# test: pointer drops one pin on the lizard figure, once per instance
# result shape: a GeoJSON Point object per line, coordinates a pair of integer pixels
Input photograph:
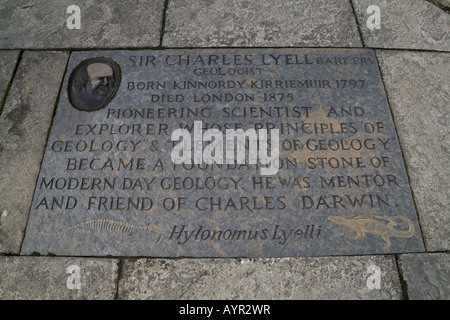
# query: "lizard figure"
{"type": "Point", "coordinates": [362, 225]}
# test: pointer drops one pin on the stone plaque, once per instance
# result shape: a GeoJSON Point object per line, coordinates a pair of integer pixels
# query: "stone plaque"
{"type": "Point", "coordinates": [223, 153]}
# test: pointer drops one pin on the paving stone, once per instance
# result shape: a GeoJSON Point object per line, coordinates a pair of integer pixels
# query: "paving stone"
{"type": "Point", "coordinates": [414, 24]}
{"type": "Point", "coordinates": [280, 278]}
{"type": "Point", "coordinates": [427, 275]}
{"type": "Point", "coordinates": [8, 60]}
{"type": "Point", "coordinates": [417, 84]}
{"type": "Point", "coordinates": [42, 278]}
{"type": "Point", "coordinates": [443, 3]}
{"type": "Point", "coordinates": [260, 23]}
{"type": "Point", "coordinates": [24, 124]}
{"type": "Point", "coordinates": [106, 24]}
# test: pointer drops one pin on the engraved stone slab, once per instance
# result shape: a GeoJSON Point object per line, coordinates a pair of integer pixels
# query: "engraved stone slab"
{"type": "Point", "coordinates": [109, 186]}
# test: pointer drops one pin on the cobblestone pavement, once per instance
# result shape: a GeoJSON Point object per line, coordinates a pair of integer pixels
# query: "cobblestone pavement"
{"type": "Point", "coordinates": [412, 45]}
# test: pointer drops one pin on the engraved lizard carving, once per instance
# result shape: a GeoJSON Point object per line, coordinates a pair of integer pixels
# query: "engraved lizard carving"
{"type": "Point", "coordinates": [362, 225]}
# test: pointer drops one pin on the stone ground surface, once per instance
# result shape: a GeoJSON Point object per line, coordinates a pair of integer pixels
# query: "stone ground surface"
{"type": "Point", "coordinates": [413, 51]}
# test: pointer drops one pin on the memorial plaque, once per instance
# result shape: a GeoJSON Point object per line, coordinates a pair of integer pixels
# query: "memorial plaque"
{"type": "Point", "coordinates": [222, 153]}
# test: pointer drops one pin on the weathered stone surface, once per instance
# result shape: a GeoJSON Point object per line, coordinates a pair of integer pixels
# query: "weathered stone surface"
{"type": "Point", "coordinates": [286, 278]}
{"type": "Point", "coordinates": [442, 3]}
{"type": "Point", "coordinates": [418, 88]}
{"type": "Point", "coordinates": [8, 60]}
{"type": "Point", "coordinates": [53, 278]}
{"type": "Point", "coordinates": [24, 124]}
{"type": "Point", "coordinates": [104, 24]}
{"type": "Point", "coordinates": [204, 23]}
{"type": "Point", "coordinates": [427, 275]}
{"type": "Point", "coordinates": [108, 184]}
{"type": "Point", "coordinates": [414, 24]}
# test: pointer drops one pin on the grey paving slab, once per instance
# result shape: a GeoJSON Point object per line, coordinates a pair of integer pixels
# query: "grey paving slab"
{"type": "Point", "coordinates": [203, 23]}
{"type": "Point", "coordinates": [42, 24]}
{"type": "Point", "coordinates": [24, 124]}
{"type": "Point", "coordinates": [284, 278]}
{"type": "Point", "coordinates": [412, 24]}
{"type": "Point", "coordinates": [427, 275]}
{"type": "Point", "coordinates": [8, 61]}
{"type": "Point", "coordinates": [442, 3]}
{"type": "Point", "coordinates": [417, 84]}
{"type": "Point", "coordinates": [43, 278]}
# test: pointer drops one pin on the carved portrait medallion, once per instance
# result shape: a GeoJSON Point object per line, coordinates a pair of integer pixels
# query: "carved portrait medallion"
{"type": "Point", "coordinates": [94, 83]}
